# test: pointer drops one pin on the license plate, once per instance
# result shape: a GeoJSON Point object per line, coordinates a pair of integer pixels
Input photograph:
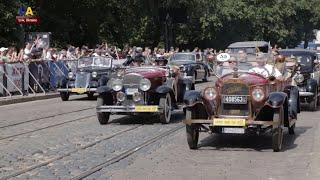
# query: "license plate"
{"type": "Point", "coordinates": [146, 109]}
{"type": "Point", "coordinates": [131, 91]}
{"type": "Point", "coordinates": [235, 99]}
{"type": "Point", "coordinates": [233, 130]}
{"type": "Point", "coordinates": [79, 90]}
{"type": "Point", "coordinates": [228, 122]}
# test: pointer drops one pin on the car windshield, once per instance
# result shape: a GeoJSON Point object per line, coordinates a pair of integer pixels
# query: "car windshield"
{"type": "Point", "coordinates": [183, 57]}
{"type": "Point", "coordinates": [260, 63]}
{"type": "Point", "coordinates": [94, 61]}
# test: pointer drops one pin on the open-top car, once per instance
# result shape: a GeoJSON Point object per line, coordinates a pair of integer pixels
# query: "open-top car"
{"type": "Point", "coordinates": [249, 96]}
{"type": "Point", "coordinates": [308, 75]}
{"type": "Point", "coordinates": [87, 77]}
{"type": "Point", "coordinates": [137, 90]}
{"type": "Point", "coordinates": [191, 64]}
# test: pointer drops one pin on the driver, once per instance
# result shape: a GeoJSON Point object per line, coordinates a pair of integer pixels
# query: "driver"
{"type": "Point", "coordinates": [138, 60]}
{"type": "Point", "coordinates": [264, 69]}
{"type": "Point", "coordinates": [161, 61]}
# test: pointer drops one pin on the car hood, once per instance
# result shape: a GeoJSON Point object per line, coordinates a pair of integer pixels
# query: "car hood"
{"type": "Point", "coordinates": [178, 63]}
{"type": "Point", "coordinates": [147, 72]}
{"type": "Point", "coordinates": [246, 77]}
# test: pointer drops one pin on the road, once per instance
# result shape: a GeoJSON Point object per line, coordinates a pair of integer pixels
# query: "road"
{"type": "Point", "coordinates": [51, 139]}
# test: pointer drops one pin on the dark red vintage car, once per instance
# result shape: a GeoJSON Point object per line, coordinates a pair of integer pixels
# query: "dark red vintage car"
{"type": "Point", "coordinates": [142, 90]}
{"type": "Point", "coordinates": [249, 96]}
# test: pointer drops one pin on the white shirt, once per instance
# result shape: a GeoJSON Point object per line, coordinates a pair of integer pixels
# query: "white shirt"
{"type": "Point", "coordinates": [266, 71]}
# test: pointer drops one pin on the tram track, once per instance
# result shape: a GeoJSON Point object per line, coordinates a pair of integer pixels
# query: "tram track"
{"type": "Point", "coordinates": [30, 168]}
{"type": "Point", "coordinates": [46, 127]}
{"type": "Point", "coordinates": [46, 117]}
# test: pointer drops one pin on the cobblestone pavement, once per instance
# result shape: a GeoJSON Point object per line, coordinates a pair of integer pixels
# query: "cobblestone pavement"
{"type": "Point", "coordinates": [51, 139]}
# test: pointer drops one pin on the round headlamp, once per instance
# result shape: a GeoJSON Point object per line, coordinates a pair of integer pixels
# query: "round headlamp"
{"type": "Point", "coordinates": [136, 96]}
{"type": "Point", "coordinates": [94, 74]}
{"type": "Point", "coordinates": [210, 93]}
{"type": "Point", "coordinates": [299, 78]}
{"type": "Point", "coordinates": [258, 94]}
{"type": "Point", "coordinates": [116, 84]}
{"type": "Point", "coordinates": [121, 96]}
{"type": "Point", "coordinates": [145, 84]}
{"type": "Point", "coordinates": [70, 75]}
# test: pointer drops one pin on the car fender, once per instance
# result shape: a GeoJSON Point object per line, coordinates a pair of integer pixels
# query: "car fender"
{"type": "Point", "coordinates": [276, 99]}
{"type": "Point", "coordinates": [164, 89]}
{"type": "Point", "coordinates": [311, 85]}
{"type": "Point", "coordinates": [104, 90]}
{"type": "Point", "coordinates": [194, 98]}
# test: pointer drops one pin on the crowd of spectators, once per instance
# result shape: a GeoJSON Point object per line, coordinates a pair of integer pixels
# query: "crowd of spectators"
{"type": "Point", "coordinates": [36, 51]}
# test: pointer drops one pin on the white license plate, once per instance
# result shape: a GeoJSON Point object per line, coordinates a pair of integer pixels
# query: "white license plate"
{"type": "Point", "coordinates": [235, 99]}
{"type": "Point", "coordinates": [233, 130]}
{"type": "Point", "coordinates": [131, 91]}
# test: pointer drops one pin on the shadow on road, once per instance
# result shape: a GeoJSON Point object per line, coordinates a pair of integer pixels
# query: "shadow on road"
{"type": "Point", "coordinates": [246, 142]}
{"type": "Point", "coordinates": [177, 117]}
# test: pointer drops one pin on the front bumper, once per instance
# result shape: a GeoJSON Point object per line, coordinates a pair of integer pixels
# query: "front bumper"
{"type": "Point", "coordinates": [77, 90]}
{"type": "Point", "coordinates": [130, 109]}
{"type": "Point", "coordinates": [305, 94]}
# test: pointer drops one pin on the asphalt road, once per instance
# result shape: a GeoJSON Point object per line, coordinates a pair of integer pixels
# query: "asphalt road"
{"type": "Point", "coordinates": [51, 139]}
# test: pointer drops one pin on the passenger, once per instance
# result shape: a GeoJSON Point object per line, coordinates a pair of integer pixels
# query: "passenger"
{"type": "Point", "coordinates": [161, 61]}
{"type": "Point", "coordinates": [138, 60]}
{"type": "Point", "coordinates": [242, 61]}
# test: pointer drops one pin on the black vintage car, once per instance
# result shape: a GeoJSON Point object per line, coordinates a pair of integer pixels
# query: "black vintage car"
{"type": "Point", "coordinates": [307, 77]}
{"type": "Point", "coordinates": [138, 90]}
{"type": "Point", "coordinates": [89, 72]}
{"type": "Point", "coordinates": [191, 64]}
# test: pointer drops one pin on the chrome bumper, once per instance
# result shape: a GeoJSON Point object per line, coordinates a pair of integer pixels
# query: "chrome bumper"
{"type": "Point", "coordinates": [71, 90]}
{"type": "Point", "coordinates": [303, 94]}
{"type": "Point", "coordinates": [127, 109]}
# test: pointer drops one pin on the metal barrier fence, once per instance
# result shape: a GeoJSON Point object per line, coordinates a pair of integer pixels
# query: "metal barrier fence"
{"type": "Point", "coordinates": [39, 76]}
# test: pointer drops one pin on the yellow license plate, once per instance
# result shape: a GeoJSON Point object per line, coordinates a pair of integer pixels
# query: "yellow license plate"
{"type": "Point", "coordinates": [228, 122]}
{"type": "Point", "coordinates": [79, 90]}
{"type": "Point", "coordinates": [146, 109]}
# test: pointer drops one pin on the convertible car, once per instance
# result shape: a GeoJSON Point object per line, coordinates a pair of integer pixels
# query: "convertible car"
{"type": "Point", "coordinates": [248, 97]}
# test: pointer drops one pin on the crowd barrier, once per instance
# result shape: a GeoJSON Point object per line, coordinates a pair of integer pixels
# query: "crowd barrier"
{"type": "Point", "coordinates": [38, 76]}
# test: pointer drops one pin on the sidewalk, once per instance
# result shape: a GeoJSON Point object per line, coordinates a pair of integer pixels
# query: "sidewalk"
{"type": "Point", "coordinates": [31, 97]}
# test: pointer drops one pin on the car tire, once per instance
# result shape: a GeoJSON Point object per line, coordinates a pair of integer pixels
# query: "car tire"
{"type": "Point", "coordinates": [291, 129]}
{"type": "Point", "coordinates": [64, 96]}
{"type": "Point", "coordinates": [277, 132]}
{"type": "Point", "coordinates": [206, 75]}
{"type": "Point", "coordinates": [103, 117]}
{"type": "Point", "coordinates": [192, 131]}
{"type": "Point", "coordinates": [314, 103]}
{"type": "Point", "coordinates": [90, 95]}
{"type": "Point", "coordinates": [165, 104]}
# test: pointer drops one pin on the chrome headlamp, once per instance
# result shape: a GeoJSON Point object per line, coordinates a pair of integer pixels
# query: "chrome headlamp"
{"type": "Point", "coordinates": [210, 93]}
{"type": "Point", "coordinates": [258, 94]}
{"type": "Point", "coordinates": [70, 75]}
{"type": "Point", "coordinates": [116, 84]}
{"type": "Point", "coordinates": [94, 74]}
{"type": "Point", "coordinates": [145, 84]}
{"type": "Point", "coordinates": [299, 78]}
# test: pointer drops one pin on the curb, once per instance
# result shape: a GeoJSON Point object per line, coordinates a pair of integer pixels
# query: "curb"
{"type": "Point", "coordinates": [28, 98]}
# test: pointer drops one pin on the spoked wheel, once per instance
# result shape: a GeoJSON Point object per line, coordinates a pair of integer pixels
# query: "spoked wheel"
{"type": "Point", "coordinates": [192, 131]}
{"type": "Point", "coordinates": [166, 106]}
{"type": "Point", "coordinates": [103, 117]}
{"type": "Point", "coordinates": [90, 95]}
{"type": "Point", "coordinates": [64, 96]}
{"type": "Point", "coordinates": [277, 133]}
{"type": "Point", "coordinates": [314, 103]}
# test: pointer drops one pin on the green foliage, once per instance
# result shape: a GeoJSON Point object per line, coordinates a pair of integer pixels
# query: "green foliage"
{"type": "Point", "coordinates": [210, 22]}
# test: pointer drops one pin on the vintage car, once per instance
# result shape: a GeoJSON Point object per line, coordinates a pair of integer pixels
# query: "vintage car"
{"type": "Point", "coordinates": [250, 47]}
{"type": "Point", "coordinates": [86, 79]}
{"type": "Point", "coordinates": [138, 90]}
{"type": "Point", "coordinates": [192, 64]}
{"type": "Point", "coordinates": [248, 97]}
{"type": "Point", "coordinates": [308, 75]}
